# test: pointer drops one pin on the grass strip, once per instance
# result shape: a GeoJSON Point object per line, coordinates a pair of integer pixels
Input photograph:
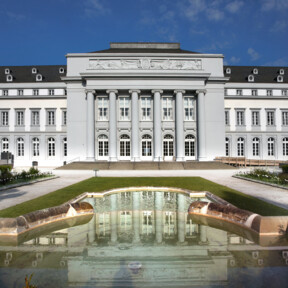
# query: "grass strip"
{"type": "Point", "coordinates": [98, 184]}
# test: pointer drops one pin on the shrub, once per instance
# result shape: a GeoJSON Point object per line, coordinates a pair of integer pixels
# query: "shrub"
{"type": "Point", "coordinates": [283, 177]}
{"type": "Point", "coordinates": [33, 171]}
{"type": "Point", "coordinates": [284, 168]}
{"type": "Point", "coordinates": [5, 168]}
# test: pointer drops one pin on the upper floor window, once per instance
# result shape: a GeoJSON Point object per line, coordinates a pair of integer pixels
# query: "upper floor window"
{"type": "Point", "coordinates": [19, 118]}
{"type": "Point", "coordinates": [239, 92]}
{"type": "Point", "coordinates": [255, 118]}
{"type": "Point", "coordinates": [167, 108]}
{"type": "Point", "coordinates": [240, 118]}
{"type": "Point", "coordinates": [51, 92]}
{"type": "Point", "coordinates": [270, 118]}
{"type": "Point", "coordinates": [35, 118]}
{"type": "Point", "coordinates": [188, 108]}
{"type": "Point", "coordinates": [35, 92]}
{"type": "Point", "coordinates": [102, 108]}
{"type": "Point", "coordinates": [4, 118]}
{"type": "Point", "coordinates": [254, 92]}
{"type": "Point", "coordinates": [64, 117]}
{"type": "Point", "coordinates": [227, 117]}
{"type": "Point", "coordinates": [20, 92]}
{"type": "Point", "coordinates": [124, 104]}
{"type": "Point", "coordinates": [146, 108]}
{"type": "Point", "coordinates": [50, 118]}
{"type": "Point", "coordinates": [285, 118]}
{"type": "Point", "coordinates": [5, 93]}
{"type": "Point", "coordinates": [269, 92]}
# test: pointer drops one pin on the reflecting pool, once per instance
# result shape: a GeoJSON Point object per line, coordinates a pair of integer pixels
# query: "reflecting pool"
{"type": "Point", "coordinates": [143, 239]}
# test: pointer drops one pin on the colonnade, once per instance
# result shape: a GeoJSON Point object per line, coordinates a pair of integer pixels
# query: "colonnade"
{"type": "Point", "coordinates": [157, 125]}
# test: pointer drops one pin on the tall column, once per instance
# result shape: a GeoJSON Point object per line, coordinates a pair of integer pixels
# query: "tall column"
{"type": "Point", "coordinates": [112, 125]}
{"type": "Point", "coordinates": [201, 125]}
{"type": "Point", "coordinates": [180, 151]}
{"type": "Point", "coordinates": [135, 125]}
{"type": "Point", "coordinates": [90, 109]}
{"type": "Point", "coordinates": [157, 125]}
{"type": "Point", "coordinates": [158, 216]}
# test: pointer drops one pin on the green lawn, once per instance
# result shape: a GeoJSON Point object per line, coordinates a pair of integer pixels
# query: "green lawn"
{"type": "Point", "coordinates": [98, 184]}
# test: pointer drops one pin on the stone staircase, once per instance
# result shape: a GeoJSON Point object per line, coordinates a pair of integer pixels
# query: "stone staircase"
{"type": "Point", "coordinates": [123, 165]}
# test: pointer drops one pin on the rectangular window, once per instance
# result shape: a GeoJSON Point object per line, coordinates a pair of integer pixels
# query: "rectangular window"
{"type": "Point", "coordinates": [188, 109]}
{"type": "Point", "coordinates": [51, 92]}
{"type": "Point", "coordinates": [270, 118]}
{"type": "Point", "coordinates": [102, 108]}
{"type": "Point", "coordinates": [4, 118]}
{"type": "Point", "coordinates": [64, 117]}
{"type": "Point", "coordinates": [124, 104]}
{"type": "Point", "coordinates": [284, 93]}
{"type": "Point", "coordinates": [167, 108]}
{"type": "Point", "coordinates": [20, 92]}
{"type": "Point", "coordinates": [35, 92]}
{"type": "Point", "coordinates": [5, 93]}
{"type": "Point", "coordinates": [19, 118]}
{"type": "Point", "coordinates": [239, 92]}
{"type": "Point", "coordinates": [269, 92]}
{"type": "Point", "coordinates": [254, 92]}
{"type": "Point", "coordinates": [35, 118]}
{"type": "Point", "coordinates": [227, 120]}
{"type": "Point", "coordinates": [51, 118]}
{"type": "Point", "coordinates": [146, 108]}
{"type": "Point", "coordinates": [240, 118]}
{"type": "Point", "coordinates": [255, 118]}
{"type": "Point", "coordinates": [285, 118]}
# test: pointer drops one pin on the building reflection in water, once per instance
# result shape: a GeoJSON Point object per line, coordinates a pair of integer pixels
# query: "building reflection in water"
{"type": "Point", "coordinates": [142, 239]}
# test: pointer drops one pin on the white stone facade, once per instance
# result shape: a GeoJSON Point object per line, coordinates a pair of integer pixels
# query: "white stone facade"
{"type": "Point", "coordinates": [141, 102]}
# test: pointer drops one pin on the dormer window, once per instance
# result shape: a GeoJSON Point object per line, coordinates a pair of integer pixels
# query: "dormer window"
{"type": "Point", "coordinates": [9, 78]}
{"type": "Point", "coordinates": [228, 70]}
{"type": "Point", "coordinates": [250, 78]}
{"type": "Point", "coordinates": [281, 71]}
{"type": "Point", "coordinates": [279, 78]}
{"type": "Point", "coordinates": [38, 77]}
{"type": "Point", "coordinates": [255, 71]}
{"type": "Point", "coordinates": [61, 70]}
{"type": "Point", "coordinates": [7, 71]}
{"type": "Point", "coordinates": [34, 70]}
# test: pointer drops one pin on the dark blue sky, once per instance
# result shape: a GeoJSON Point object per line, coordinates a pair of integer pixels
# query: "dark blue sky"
{"type": "Point", "coordinates": [247, 32]}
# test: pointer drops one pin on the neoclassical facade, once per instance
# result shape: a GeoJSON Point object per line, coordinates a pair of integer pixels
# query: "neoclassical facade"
{"type": "Point", "coordinates": [142, 102]}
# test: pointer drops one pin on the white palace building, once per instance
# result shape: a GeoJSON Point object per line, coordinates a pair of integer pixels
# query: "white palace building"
{"type": "Point", "coordinates": [142, 102]}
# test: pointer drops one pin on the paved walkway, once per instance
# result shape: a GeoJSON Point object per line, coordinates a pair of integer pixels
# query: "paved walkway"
{"type": "Point", "coordinates": [270, 194]}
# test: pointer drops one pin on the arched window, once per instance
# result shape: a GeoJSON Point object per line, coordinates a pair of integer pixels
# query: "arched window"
{"type": "Point", "coordinates": [5, 145]}
{"type": "Point", "coordinates": [103, 145]}
{"type": "Point", "coordinates": [189, 146]}
{"type": "Point", "coordinates": [271, 146]}
{"type": "Point", "coordinates": [51, 146]}
{"type": "Point", "coordinates": [64, 146]}
{"type": "Point", "coordinates": [35, 146]}
{"type": "Point", "coordinates": [285, 146]}
{"type": "Point", "coordinates": [146, 145]}
{"type": "Point", "coordinates": [168, 148]}
{"type": "Point", "coordinates": [125, 146]}
{"type": "Point", "coordinates": [240, 146]}
{"type": "Point", "coordinates": [227, 146]}
{"type": "Point", "coordinates": [256, 146]}
{"type": "Point", "coordinates": [20, 147]}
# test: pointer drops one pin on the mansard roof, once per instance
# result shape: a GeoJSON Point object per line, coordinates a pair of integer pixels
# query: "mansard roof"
{"type": "Point", "coordinates": [23, 74]}
{"type": "Point", "coordinates": [265, 74]}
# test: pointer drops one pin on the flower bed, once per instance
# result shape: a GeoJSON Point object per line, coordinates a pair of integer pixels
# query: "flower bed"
{"type": "Point", "coordinates": [7, 177]}
{"type": "Point", "coordinates": [266, 176]}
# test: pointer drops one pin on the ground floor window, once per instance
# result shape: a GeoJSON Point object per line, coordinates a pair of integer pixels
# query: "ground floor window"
{"type": "Point", "coordinates": [146, 145]}
{"type": "Point", "coordinates": [5, 145]}
{"type": "Point", "coordinates": [240, 146]}
{"type": "Point", "coordinates": [168, 147]}
{"type": "Point", "coordinates": [35, 146]}
{"type": "Point", "coordinates": [227, 146]}
{"type": "Point", "coordinates": [255, 146]}
{"type": "Point", "coordinates": [285, 146]}
{"type": "Point", "coordinates": [65, 146]}
{"type": "Point", "coordinates": [103, 146]}
{"type": "Point", "coordinates": [20, 147]}
{"type": "Point", "coordinates": [51, 146]}
{"type": "Point", "coordinates": [271, 145]}
{"type": "Point", "coordinates": [124, 146]}
{"type": "Point", "coordinates": [189, 145]}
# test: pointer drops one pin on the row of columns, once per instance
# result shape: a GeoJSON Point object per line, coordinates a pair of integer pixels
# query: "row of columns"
{"type": "Point", "coordinates": [180, 148]}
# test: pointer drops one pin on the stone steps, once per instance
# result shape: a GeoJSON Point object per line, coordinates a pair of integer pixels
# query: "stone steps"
{"type": "Point", "coordinates": [123, 165]}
